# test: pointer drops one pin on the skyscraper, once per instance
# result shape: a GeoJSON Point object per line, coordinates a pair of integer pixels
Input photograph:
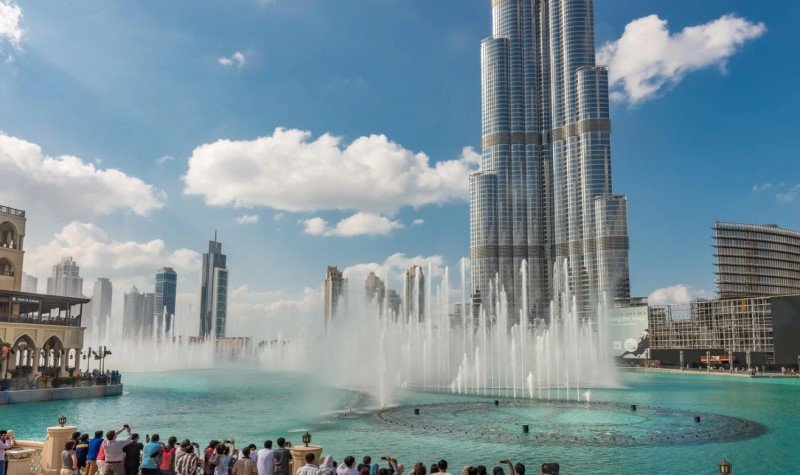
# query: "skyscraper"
{"type": "Point", "coordinates": [29, 283]}
{"type": "Point", "coordinates": [101, 304]}
{"type": "Point", "coordinates": [374, 289]}
{"type": "Point", "coordinates": [166, 288]}
{"type": "Point", "coordinates": [335, 291]}
{"type": "Point", "coordinates": [137, 313]}
{"type": "Point", "coordinates": [66, 279]}
{"type": "Point", "coordinates": [414, 290]}
{"type": "Point", "coordinates": [393, 303]}
{"type": "Point", "coordinates": [543, 192]}
{"type": "Point", "coordinates": [214, 291]}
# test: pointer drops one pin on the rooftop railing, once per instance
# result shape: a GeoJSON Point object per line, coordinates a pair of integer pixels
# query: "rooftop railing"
{"type": "Point", "coordinates": [12, 211]}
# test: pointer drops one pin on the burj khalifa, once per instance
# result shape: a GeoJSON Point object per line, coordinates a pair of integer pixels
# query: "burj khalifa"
{"type": "Point", "coordinates": [542, 198]}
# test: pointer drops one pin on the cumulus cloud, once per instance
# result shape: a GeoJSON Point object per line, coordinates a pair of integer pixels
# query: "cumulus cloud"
{"type": "Point", "coordinates": [100, 256]}
{"type": "Point", "coordinates": [67, 185]}
{"type": "Point", "coordinates": [291, 171]}
{"type": "Point", "coordinates": [248, 219]}
{"type": "Point", "coordinates": [359, 224]}
{"type": "Point", "coordinates": [647, 58]}
{"type": "Point", "coordinates": [393, 268]}
{"type": "Point", "coordinates": [259, 314]}
{"type": "Point", "coordinates": [679, 293]}
{"type": "Point", "coordinates": [236, 60]}
{"type": "Point", "coordinates": [10, 30]}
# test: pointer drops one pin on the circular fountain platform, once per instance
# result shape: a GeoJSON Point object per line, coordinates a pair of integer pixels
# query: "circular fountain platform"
{"type": "Point", "coordinates": [565, 423]}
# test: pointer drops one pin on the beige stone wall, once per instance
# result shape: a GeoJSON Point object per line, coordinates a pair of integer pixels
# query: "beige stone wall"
{"type": "Point", "coordinates": [14, 253]}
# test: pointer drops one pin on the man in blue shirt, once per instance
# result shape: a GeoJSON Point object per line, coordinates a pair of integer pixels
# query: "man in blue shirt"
{"type": "Point", "coordinates": [91, 454]}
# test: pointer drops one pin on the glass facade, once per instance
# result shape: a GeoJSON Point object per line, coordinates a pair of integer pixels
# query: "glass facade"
{"type": "Point", "coordinates": [214, 292]}
{"type": "Point", "coordinates": [543, 192]}
{"type": "Point", "coordinates": [166, 288]}
{"type": "Point", "coordinates": [755, 260]}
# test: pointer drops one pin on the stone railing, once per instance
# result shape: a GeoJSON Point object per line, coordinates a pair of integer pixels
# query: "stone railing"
{"type": "Point", "coordinates": [28, 456]}
{"type": "Point", "coordinates": [24, 458]}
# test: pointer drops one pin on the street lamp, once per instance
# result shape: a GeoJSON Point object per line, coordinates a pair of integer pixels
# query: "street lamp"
{"type": "Point", "coordinates": [306, 438]}
{"type": "Point", "coordinates": [62, 420]}
{"type": "Point", "coordinates": [725, 467]}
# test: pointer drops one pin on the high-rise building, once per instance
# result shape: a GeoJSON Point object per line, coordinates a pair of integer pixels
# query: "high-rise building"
{"type": "Point", "coordinates": [393, 303]}
{"type": "Point", "coordinates": [335, 291]}
{"type": "Point", "coordinates": [543, 192]}
{"type": "Point", "coordinates": [756, 260]}
{"type": "Point", "coordinates": [12, 234]}
{"type": "Point", "coordinates": [414, 290]}
{"type": "Point", "coordinates": [132, 312]}
{"type": "Point", "coordinates": [214, 292]}
{"type": "Point", "coordinates": [101, 304]}
{"type": "Point", "coordinates": [66, 279]}
{"type": "Point", "coordinates": [29, 283]}
{"type": "Point", "coordinates": [166, 289]}
{"type": "Point", "coordinates": [375, 289]}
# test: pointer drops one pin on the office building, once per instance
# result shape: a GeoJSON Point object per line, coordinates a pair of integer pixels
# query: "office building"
{"type": "Point", "coordinates": [29, 283]}
{"type": "Point", "coordinates": [375, 289]}
{"type": "Point", "coordinates": [756, 260]}
{"type": "Point", "coordinates": [166, 290]}
{"type": "Point", "coordinates": [101, 305]}
{"type": "Point", "coordinates": [543, 192]}
{"type": "Point", "coordinates": [335, 292]}
{"type": "Point", "coordinates": [138, 313]}
{"type": "Point", "coordinates": [214, 292]}
{"type": "Point", "coordinates": [393, 303]}
{"type": "Point", "coordinates": [66, 279]}
{"type": "Point", "coordinates": [414, 293]}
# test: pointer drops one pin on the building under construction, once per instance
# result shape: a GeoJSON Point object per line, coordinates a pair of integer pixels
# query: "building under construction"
{"type": "Point", "coordinates": [753, 330]}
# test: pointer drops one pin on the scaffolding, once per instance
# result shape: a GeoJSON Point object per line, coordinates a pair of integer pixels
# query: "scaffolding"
{"type": "Point", "coordinates": [738, 325]}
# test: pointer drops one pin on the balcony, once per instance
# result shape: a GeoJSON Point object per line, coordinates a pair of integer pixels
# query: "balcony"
{"type": "Point", "coordinates": [37, 320]}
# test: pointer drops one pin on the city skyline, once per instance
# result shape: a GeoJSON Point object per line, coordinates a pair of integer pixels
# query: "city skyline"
{"type": "Point", "coordinates": [160, 210]}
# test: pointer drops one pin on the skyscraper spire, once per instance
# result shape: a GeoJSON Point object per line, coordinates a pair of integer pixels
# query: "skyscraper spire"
{"type": "Point", "coordinates": [543, 192]}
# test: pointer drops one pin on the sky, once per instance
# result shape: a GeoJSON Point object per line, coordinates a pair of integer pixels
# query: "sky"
{"type": "Point", "coordinates": [310, 133]}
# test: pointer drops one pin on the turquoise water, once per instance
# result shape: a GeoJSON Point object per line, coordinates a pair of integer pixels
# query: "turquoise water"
{"type": "Point", "coordinates": [252, 405]}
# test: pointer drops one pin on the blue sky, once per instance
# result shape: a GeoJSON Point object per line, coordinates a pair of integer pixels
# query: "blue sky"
{"type": "Point", "coordinates": [121, 84]}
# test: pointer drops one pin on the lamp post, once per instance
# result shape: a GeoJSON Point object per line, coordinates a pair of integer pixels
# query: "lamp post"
{"type": "Point", "coordinates": [725, 467]}
{"type": "Point", "coordinates": [306, 439]}
{"type": "Point", "coordinates": [62, 421]}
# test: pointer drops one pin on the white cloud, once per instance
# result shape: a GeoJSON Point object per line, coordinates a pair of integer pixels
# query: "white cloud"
{"type": "Point", "coordinates": [647, 58]}
{"type": "Point", "coordinates": [67, 185]}
{"type": "Point", "coordinates": [418, 222]}
{"type": "Point", "coordinates": [789, 195]}
{"type": "Point", "coordinates": [100, 256]}
{"type": "Point", "coordinates": [278, 216]}
{"type": "Point", "coordinates": [359, 224]}
{"type": "Point", "coordinates": [248, 219]}
{"type": "Point", "coordinates": [164, 159]}
{"type": "Point", "coordinates": [259, 314]}
{"type": "Point", "coordinates": [393, 268]}
{"type": "Point", "coordinates": [290, 171]}
{"type": "Point", "coordinates": [10, 30]}
{"type": "Point", "coordinates": [235, 60]}
{"type": "Point", "coordinates": [679, 293]}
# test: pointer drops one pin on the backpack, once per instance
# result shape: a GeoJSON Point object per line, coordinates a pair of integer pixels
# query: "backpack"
{"type": "Point", "coordinates": [167, 458]}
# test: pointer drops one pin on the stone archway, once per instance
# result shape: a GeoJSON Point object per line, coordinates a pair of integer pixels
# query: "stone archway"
{"type": "Point", "coordinates": [52, 356]}
{"type": "Point", "coordinates": [21, 359]}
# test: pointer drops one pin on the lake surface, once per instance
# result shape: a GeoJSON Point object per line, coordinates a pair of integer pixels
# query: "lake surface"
{"type": "Point", "coordinates": [252, 405]}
